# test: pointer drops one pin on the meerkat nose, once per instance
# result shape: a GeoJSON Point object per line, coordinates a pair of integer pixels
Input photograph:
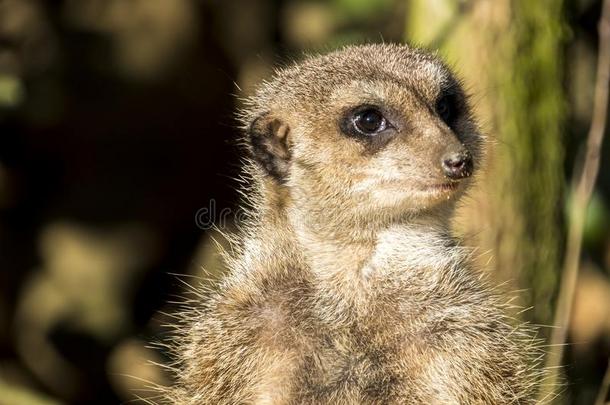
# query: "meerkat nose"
{"type": "Point", "coordinates": [457, 165]}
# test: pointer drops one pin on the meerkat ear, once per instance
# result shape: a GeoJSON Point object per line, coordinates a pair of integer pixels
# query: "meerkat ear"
{"type": "Point", "coordinates": [270, 145]}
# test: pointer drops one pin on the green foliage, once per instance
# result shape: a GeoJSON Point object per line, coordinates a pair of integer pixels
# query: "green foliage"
{"type": "Point", "coordinates": [11, 91]}
{"type": "Point", "coordinates": [362, 9]}
{"type": "Point", "coordinates": [13, 395]}
{"type": "Point", "coordinates": [597, 221]}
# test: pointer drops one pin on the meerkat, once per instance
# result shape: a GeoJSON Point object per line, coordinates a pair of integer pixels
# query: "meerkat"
{"type": "Point", "coordinates": [346, 286]}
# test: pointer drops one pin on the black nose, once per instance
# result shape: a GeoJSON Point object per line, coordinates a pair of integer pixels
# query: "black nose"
{"type": "Point", "coordinates": [457, 165]}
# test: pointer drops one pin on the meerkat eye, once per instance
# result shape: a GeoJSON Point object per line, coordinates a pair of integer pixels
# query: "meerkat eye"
{"type": "Point", "coordinates": [370, 121]}
{"type": "Point", "coordinates": [446, 109]}
{"type": "Point", "coordinates": [365, 122]}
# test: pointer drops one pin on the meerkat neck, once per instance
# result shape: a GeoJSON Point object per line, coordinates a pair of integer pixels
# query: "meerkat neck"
{"type": "Point", "coordinates": [335, 245]}
{"type": "Point", "coordinates": [345, 259]}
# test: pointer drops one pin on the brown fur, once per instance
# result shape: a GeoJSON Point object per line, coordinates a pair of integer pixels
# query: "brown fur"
{"type": "Point", "coordinates": [346, 287]}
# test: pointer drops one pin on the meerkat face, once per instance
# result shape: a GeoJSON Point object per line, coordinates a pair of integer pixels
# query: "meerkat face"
{"type": "Point", "coordinates": [368, 130]}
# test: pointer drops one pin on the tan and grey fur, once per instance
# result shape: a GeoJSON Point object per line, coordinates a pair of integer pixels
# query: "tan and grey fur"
{"type": "Point", "coordinates": [346, 286]}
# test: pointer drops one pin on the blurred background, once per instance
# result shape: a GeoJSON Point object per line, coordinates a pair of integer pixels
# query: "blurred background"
{"type": "Point", "coordinates": [118, 149]}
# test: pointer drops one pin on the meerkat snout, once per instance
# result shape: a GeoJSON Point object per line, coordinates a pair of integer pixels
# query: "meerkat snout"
{"type": "Point", "coordinates": [457, 164]}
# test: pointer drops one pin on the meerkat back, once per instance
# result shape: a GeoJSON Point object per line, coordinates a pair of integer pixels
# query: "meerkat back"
{"type": "Point", "coordinates": [346, 286]}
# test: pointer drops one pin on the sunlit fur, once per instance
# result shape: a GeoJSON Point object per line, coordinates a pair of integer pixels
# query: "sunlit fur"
{"type": "Point", "coordinates": [345, 286]}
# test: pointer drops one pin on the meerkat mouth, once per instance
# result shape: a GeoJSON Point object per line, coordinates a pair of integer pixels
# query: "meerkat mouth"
{"type": "Point", "coordinates": [428, 189]}
{"type": "Point", "coordinates": [445, 187]}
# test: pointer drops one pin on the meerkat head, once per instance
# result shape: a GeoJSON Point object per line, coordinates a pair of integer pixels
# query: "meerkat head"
{"type": "Point", "coordinates": [371, 131]}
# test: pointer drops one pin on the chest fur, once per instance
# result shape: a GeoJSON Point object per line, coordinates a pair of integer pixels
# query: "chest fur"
{"type": "Point", "coordinates": [394, 351]}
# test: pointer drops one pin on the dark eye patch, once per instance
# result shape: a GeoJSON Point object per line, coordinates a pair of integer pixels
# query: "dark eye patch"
{"type": "Point", "coordinates": [449, 106]}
